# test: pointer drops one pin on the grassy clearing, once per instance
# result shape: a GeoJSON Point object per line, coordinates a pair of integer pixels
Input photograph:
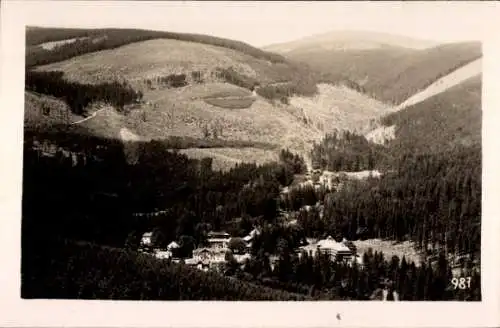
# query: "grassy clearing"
{"type": "Point", "coordinates": [235, 92]}
{"type": "Point", "coordinates": [390, 248]}
{"type": "Point", "coordinates": [226, 158]}
{"type": "Point", "coordinates": [338, 107]}
{"type": "Point", "coordinates": [231, 103]}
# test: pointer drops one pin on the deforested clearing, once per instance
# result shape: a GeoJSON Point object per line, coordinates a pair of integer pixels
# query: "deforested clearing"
{"type": "Point", "coordinates": [339, 107]}
{"type": "Point", "coordinates": [184, 112]}
{"type": "Point", "coordinates": [158, 57]}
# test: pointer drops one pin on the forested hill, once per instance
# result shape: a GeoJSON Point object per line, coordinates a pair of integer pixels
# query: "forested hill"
{"type": "Point", "coordinates": [82, 41]}
{"type": "Point", "coordinates": [449, 119]}
{"type": "Point", "coordinates": [388, 73]}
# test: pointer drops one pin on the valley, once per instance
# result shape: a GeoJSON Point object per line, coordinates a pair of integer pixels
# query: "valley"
{"type": "Point", "coordinates": [369, 139]}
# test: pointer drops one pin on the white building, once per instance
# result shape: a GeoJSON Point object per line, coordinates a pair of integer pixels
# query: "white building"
{"type": "Point", "coordinates": [218, 239]}
{"type": "Point", "coordinates": [337, 251]}
{"type": "Point", "coordinates": [163, 255]}
{"type": "Point", "coordinates": [146, 240]}
{"type": "Point", "coordinates": [248, 238]}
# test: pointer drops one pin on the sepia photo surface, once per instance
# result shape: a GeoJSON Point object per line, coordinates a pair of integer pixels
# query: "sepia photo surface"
{"type": "Point", "coordinates": [251, 152]}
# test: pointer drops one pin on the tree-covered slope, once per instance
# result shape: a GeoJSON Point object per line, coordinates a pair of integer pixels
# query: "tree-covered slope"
{"type": "Point", "coordinates": [389, 73]}
{"type": "Point", "coordinates": [452, 118]}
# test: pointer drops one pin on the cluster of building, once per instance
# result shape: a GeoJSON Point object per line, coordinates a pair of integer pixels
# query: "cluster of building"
{"type": "Point", "coordinates": [333, 181]}
{"type": "Point", "coordinates": [214, 255]}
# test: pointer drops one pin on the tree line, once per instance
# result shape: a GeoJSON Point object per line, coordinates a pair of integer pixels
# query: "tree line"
{"type": "Point", "coordinates": [319, 277]}
{"type": "Point", "coordinates": [348, 151]}
{"type": "Point", "coordinates": [77, 95]}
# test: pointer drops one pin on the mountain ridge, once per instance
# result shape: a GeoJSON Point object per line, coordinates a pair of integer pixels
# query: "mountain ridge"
{"type": "Point", "coordinates": [351, 39]}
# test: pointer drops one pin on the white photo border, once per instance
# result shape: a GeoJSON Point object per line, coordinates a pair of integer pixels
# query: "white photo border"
{"type": "Point", "coordinates": [15, 312]}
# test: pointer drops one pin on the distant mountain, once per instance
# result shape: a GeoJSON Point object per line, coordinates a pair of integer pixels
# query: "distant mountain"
{"type": "Point", "coordinates": [386, 67]}
{"type": "Point", "coordinates": [348, 40]}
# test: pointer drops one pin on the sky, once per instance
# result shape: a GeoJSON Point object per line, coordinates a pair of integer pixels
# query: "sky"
{"type": "Point", "coordinates": [264, 23]}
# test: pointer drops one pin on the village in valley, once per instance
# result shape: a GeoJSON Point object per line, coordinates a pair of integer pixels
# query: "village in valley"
{"type": "Point", "coordinates": [221, 247]}
{"type": "Point", "coordinates": [214, 256]}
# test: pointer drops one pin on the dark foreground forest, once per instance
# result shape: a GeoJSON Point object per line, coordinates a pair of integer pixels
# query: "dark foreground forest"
{"type": "Point", "coordinates": [80, 237]}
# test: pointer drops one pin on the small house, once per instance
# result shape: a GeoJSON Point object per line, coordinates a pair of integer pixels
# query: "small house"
{"type": "Point", "coordinates": [146, 240]}
{"type": "Point", "coordinates": [248, 239]}
{"type": "Point", "coordinates": [163, 255]}
{"type": "Point", "coordinates": [251, 235]}
{"type": "Point", "coordinates": [173, 245]}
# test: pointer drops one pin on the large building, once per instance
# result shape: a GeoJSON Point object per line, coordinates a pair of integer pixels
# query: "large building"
{"type": "Point", "coordinates": [338, 251]}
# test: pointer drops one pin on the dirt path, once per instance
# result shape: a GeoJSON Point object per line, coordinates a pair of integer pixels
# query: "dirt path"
{"type": "Point", "coordinates": [94, 114]}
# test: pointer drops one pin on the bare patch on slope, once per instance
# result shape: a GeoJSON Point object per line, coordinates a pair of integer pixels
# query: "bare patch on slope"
{"type": "Point", "coordinates": [339, 107]}
{"type": "Point", "coordinates": [454, 78]}
{"type": "Point", "coordinates": [183, 112]}
{"type": "Point", "coordinates": [53, 44]}
{"type": "Point", "coordinates": [148, 60]}
{"type": "Point", "coordinates": [127, 135]}
{"type": "Point", "coordinates": [382, 135]}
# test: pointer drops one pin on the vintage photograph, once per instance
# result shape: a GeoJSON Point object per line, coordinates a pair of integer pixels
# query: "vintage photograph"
{"type": "Point", "coordinates": [238, 153]}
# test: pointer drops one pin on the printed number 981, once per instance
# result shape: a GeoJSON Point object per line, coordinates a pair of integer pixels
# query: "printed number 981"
{"type": "Point", "coordinates": [461, 283]}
